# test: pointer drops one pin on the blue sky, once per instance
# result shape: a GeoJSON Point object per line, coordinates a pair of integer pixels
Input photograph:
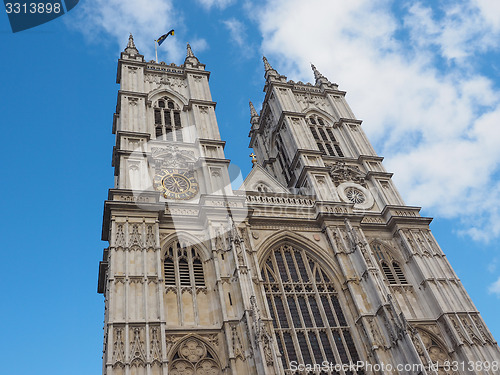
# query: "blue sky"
{"type": "Point", "coordinates": [424, 78]}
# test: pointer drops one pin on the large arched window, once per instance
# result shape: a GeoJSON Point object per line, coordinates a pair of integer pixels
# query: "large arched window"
{"type": "Point", "coordinates": [167, 118]}
{"type": "Point", "coordinates": [309, 323]}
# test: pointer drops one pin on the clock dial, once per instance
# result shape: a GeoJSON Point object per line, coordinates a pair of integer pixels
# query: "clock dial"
{"type": "Point", "coordinates": [176, 184]}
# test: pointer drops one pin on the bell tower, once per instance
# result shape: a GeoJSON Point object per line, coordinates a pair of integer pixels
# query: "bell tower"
{"type": "Point", "coordinates": [176, 276]}
{"type": "Point", "coordinates": [391, 296]}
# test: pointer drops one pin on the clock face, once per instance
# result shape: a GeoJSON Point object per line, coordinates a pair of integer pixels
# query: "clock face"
{"type": "Point", "coordinates": [176, 184]}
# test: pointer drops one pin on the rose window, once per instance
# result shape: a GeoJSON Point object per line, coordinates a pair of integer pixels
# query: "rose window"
{"type": "Point", "coordinates": [355, 195]}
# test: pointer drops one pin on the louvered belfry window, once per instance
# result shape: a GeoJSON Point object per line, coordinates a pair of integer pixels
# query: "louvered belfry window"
{"type": "Point", "coordinates": [323, 135]}
{"type": "Point", "coordinates": [167, 120]}
{"type": "Point", "coordinates": [182, 267]}
{"type": "Point", "coordinates": [391, 268]}
{"type": "Point", "coordinates": [309, 323]}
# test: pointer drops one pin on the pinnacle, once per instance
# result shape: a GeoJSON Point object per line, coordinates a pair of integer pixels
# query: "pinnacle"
{"type": "Point", "coordinates": [267, 66]}
{"type": "Point", "coordinates": [253, 112]}
{"type": "Point", "coordinates": [318, 76]}
{"type": "Point", "coordinates": [131, 49]}
{"type": "Point", "coordinates": [189, 51]}
{"type": "Point", "coordinates": [131, 43]}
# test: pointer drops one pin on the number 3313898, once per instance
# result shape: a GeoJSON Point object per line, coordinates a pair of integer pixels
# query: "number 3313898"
{"type": "Point", "coordinates": [32, 8]}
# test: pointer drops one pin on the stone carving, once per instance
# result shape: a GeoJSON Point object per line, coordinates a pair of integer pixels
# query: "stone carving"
{"type": "Point", "coordinates": [118, 346]}
{"type": "Point", "coordinates": [193, 350]}
{"type": "Point", "coordinates": [203, 109]}
{"type": "Point", "coordinates": [213, 339]}
{"type": "Point", "coordinates": [470, 330]}
{"type": "Point", "coordinates": [457, 328]}
{"type": "Point", "coordinates": [172, 157]}
{"type": "Point", "coordinates": [120, 236]}
{"type": "Point", "coordinates": [307, 100]}
{"type": "Point", "coordinates": [155, 350]}
{"type": "Point", "coordinates": [161, 79]}
{"type": "Point", "coordinates": [137, 352]}
{"type": "Point", "coordinates": [266, 347]}
{"type": "Point", "coordinates": [237, 347]}
{"type": "Point", "coordinates": [341, 172]}
{"type": "Point", "coordinates": [150, 237]}
{"type": "Point", "coordinates": [377, 338]}
{"type": "Point", "coordinates": [192, 358]}
{"type": "Point", "coordinates": [435, 350]}
{"type": "Point", "coordinates": [135, 236]}
{"type": "Point", "coordinates": [480, 328]}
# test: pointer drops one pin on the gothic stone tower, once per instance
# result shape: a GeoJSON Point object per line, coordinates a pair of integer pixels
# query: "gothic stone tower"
{"type": "Point", "coordinates": [314, 260]}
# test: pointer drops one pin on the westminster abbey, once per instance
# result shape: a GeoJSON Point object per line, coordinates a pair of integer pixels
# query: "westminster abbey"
{"type": "Point", "coordinates": [315, 265]}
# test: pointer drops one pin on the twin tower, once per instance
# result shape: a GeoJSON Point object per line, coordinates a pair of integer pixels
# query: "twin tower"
{"type": "Point", "coordinates": [313, 266]}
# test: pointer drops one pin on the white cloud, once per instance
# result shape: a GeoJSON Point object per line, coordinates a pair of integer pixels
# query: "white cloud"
{"type": "Point", "coordinates": [199, 45]}
{"type": "Point", "coordinates": [460, 32]}
{"type": "Point", "coordinates": [495, 288]}
{"type": "Point", "coordinates": [221, 4]}
{"type": "Point", "coordinates": [439, 128]}
{"type": "Point", "coordinates": [490, 10]}
{"type": "Point", "coordinates": [236, 30]}
{"type": "Point", "coordinates": [145, 19]}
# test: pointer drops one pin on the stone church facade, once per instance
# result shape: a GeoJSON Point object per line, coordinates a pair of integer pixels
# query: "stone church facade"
{"type": "Point", "coordinates": [314, 263]}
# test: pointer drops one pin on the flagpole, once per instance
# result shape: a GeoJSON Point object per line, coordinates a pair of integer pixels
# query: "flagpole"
{"type": "Point", "coordinates": [156, 51]}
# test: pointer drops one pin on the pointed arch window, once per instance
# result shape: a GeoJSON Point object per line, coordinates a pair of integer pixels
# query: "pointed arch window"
{"type": "Point", "coordinates": [390, 267]}
{"type": "Point", "coordinates": [323, 135]}
{"type": "Point", "coordinates": [309, 323]}
{"type": "Point", "coordinates": [167, 118]}
{"type": "Point", "coordinates": [182, 267]}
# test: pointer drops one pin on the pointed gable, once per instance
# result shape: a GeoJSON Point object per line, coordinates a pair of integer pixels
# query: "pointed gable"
{"type": "Point", "coordinates": [260, 180]}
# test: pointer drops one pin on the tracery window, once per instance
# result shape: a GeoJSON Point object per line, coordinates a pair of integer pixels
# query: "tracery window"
{"type": "Point", "coordinates": [167, 118]}
{"type": "Point", "coordinates": [182, 267]}
{"type": "Point", "coordinates": [309, 323]}
{"type": "Point", "coordinates": [193, 357]}
{"type": "Point", "coordinates": [390, 267]}
{"type": "Point", "coordinates": [323, 135]}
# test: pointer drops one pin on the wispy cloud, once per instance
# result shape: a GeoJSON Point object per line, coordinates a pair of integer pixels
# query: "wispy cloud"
{"type": "Point", "coordinates": [236, 30]}
{"type": "Point", "coordinates": [221, 4]}
{"type": "Point", "coordinates": [425, 104]}
{"type": "Point", "coordinates": [113, 20]}
{"type": "Point", "coordinates": [495, 288]}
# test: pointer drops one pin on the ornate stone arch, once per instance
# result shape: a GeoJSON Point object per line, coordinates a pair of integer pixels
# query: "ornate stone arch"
{"type": "Point", "coordinates": [194, 356]}
{"type": "Point", "coordinates": [318, 253]}
{"type": "Point", "coordinates": [319, 112]}
{"type": "Point", "coordinates": [162, 91]}
{"type": "Point", "coordinates": [429, 346]}
{"type": "Point", "coordinates": [186, 239]}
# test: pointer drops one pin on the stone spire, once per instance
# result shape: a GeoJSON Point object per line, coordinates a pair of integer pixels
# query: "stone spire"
{"type": "Point", "coordinates": [191, 59]}
{"type": "Point", "coordinates": [320, 78]}
{"type": "Point", "coordinates": [131, 49]}
{"type": "Point", "coordinates": [270, 71]}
